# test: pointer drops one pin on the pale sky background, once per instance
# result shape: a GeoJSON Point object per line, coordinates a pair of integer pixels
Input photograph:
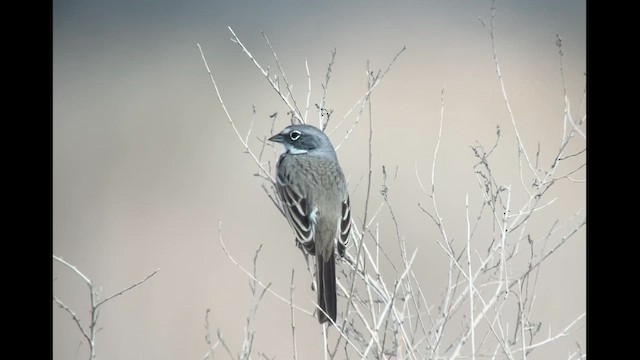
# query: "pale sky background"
{"type": "Point", "coordinates": [145, 162]}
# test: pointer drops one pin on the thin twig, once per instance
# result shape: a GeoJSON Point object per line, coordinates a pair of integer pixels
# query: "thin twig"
{"type": "Point", "coordinates": [266, 287]}
{"type": "Point", "coordinates": [83, 276]}
{"type": "Point", "coordinates": [207, 337]}
{"type": "Point", "coordinates": [325, 87]}
{"type": "Point", "coordinates": [470, 277]}
{"type": "Point", "coordinates": [264, 173]}
{"type": "Point", "coordinates": [94, 295]}
{"type": "Point", "coordinates": [521, 148]}
{"type": "Point", "coordinates": [306, 109]}
{"type": "Point", "coordinates": [365, 96]}
{"type": "Point", "coordinates": [366, 201]}
{"type": "Point", "coordinates": [563, 333]}
{"type": "Point", "coordinates": [293, 322]}
{"type": "Point", "coordinates": [296, 112]}
{"type": "Point", "coordinates": [127, 289]}
{"type": "Point", "coordinates": [74, 317]}
{"type": "Point", "coordinates": [224, 345]}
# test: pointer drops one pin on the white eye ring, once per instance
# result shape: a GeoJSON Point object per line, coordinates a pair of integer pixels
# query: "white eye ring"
{"type": "Point", "coordinates": [294, 135]}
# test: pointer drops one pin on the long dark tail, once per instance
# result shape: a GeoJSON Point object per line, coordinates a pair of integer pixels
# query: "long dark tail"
{"type": "Point", "coordinates": [327, 288]}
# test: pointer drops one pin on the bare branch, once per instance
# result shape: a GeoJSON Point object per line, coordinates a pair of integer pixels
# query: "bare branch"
{"type": "Point", "coordinates": [207, 337]}
{"type": "Point", "coordinates": [378, 80]}
{"type": "Point", "coordinates": [252, 277]}
{"type": "Point", "coordinates": [325, 87]}
{"type": "Point", "coordinates": [293, 322]}
{"type": "Point", "coordinates": [83, 276]}
{"type": "Point", "coordinates": [505, 97]}
{"type": "Point", "coordinates": [563, 333]}
{"type": "Point", "coordinates": [224, 345]}
{"type": "Point", "coordinates": [366, 202]}
{"type": "Point", "coordinates": [90, 333]}
{"type": "Point", "coordinates": [233, 125]}
{"type": "Point", "coordinates": [127, 289]}
{"type": "Point", "coordinates": [74, 317]}
{"type": "Point", "coordinates": [296, 111]}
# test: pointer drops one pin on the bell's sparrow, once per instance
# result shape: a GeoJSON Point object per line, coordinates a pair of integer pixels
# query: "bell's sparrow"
{"type": "Point", "coordinates": [313, 194]}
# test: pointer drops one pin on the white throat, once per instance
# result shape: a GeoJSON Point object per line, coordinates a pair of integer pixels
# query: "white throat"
{"type": "Point", "coordinates": [295, 151]}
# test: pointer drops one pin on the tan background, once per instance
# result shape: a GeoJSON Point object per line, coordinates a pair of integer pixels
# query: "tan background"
{"type": "Point", "coordinates": [146, 164]}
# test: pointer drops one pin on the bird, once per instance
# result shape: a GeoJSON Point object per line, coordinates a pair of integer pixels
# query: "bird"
{"type": "Point", "coordinates": [313, 194]}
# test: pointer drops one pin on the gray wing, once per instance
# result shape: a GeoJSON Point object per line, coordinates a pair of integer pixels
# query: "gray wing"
{"type": "Point", "coordinates": [296, 210]}
{"type": "Point", "coordinates": [345, 227]}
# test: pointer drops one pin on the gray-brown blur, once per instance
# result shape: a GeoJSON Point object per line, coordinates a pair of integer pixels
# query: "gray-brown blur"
{"type": "Point", "coordinates": [145, 162]}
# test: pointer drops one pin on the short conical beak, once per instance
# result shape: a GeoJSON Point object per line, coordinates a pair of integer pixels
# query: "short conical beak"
{"type": "Point", "coordinates": [279, 138]}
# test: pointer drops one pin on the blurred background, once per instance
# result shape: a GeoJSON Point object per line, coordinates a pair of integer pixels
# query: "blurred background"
{"type": "Point", "coordinates": [145, 162]}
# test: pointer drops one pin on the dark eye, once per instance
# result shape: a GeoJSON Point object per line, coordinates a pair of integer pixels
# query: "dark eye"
{"type": "Point", "coordinates": [294, 135]}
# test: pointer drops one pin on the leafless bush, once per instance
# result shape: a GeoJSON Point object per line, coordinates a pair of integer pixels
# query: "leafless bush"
{"type": "Point", "coordinates": [90, 330]}
{"type": "Point", "coordinates": [491, 285]}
